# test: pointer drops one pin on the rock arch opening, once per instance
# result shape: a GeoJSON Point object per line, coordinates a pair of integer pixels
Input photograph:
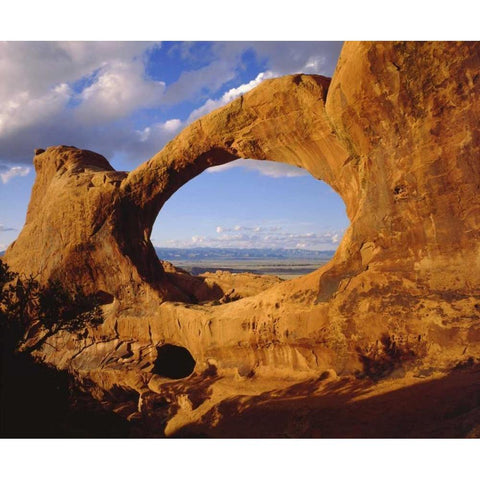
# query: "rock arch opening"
{"type": "Point", "coordinates": [173, 362]}
{"type": "Point", "coordinates": [261, 217]}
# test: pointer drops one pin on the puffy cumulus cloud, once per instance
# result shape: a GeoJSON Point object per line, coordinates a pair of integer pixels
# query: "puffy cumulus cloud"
{"type": "Point", "coordinates": [23, 110]}
{"type": "Point", "coordinates": [118, 89]}
{"type": "Point", "coordinates": [43, 82]}
{"type": "Point", "coordinates": [151, 139]}
{"type": "Point", "coordinates": [36, 67]}
{"type": "Point", "coordinates": [165, 129]}
{"type": "Point", "coordinates": [264, 167]}
{"type": "Point", "coordinates": [261, 237]}
{"type": "Point", "coordinates": [197, 239]}
{"type": "Point", "coordinates": [6, 174]}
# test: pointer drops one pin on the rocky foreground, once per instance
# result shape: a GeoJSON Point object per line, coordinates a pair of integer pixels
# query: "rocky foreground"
{"type": "Point", "coordinates": [388, 329]}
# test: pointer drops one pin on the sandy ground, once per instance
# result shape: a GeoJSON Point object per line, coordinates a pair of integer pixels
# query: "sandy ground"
{"type": "Point", "coordinates": [283, 268]}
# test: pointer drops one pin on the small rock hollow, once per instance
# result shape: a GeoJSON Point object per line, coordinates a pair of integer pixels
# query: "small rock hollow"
{"type": "Point", "coordinates": [173, 362]}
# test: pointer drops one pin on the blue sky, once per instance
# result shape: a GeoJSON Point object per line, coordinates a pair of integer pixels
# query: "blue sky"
{"type": "Point", "coordinates": [125, 100]}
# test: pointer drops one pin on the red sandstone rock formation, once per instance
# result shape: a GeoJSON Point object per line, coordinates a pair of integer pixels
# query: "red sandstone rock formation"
{"type": "Point", "coordinates": [395, 133]}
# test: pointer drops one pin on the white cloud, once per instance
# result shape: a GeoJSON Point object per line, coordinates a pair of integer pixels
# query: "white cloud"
{"type": "Point", "coordinates": [170, 127]}
{"type": "Point", "coordinates": [314, 64]}
{"type": "Point", "coordinates": [36, 67]}
{"type": "Point", "coordinates": [22, 110]}
{"type": "Point", "coordinates": [119, 89]}
{"type": "Point", "coordinates": [6, 229]}
{"type": "Point", "coordinates": [197, 240]}
{"type": "Point", "coordinates": [14, 172]}
{"type": "Point", "coordinates": [299, 57]}
{"type": "Point", "coordinates": [265, 167]}
{"type": "Point", "coordinates": [246, 236]}
{"type": "Point", "coordinates": [227, 97]}
{"type": "Point", "coordinates": [151, 139]}
{"type": "Point", "coordinates": [209, 78]}
{"type": "Point", "coordinates": [38, 97]}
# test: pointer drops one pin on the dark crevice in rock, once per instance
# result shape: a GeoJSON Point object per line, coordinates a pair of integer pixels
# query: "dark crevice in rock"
{"type": "Point", "coordinates": [173, 362]}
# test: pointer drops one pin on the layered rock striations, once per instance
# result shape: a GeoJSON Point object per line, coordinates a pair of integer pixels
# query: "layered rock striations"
{"type": "Point", "coordinates": [395, 132]}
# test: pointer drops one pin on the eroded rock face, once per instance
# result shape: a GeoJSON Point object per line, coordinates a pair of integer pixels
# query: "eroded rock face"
{"type": "Point", "coordinates": [395, 132]}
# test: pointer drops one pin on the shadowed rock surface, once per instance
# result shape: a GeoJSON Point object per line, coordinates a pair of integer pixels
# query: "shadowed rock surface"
{"type": "Point", "coordinates": [395, 133]}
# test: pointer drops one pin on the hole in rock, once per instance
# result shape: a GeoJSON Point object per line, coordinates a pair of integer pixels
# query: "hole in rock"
{"type": "Point", "coordinates": [252, 216]}
{"type": "Point", "coordinates": [173, 362]}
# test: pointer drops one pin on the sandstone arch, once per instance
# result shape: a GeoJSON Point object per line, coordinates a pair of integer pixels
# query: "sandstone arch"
{"type": "Point", "coordinates": [395, 133]}
{"type": "Point", "coordinates": [286, 123]}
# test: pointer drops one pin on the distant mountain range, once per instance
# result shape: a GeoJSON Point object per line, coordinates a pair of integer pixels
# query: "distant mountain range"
{"type": "Point", "coordinates": [237, 253]}
{"type": "Point", "coordinates": [176, 254]}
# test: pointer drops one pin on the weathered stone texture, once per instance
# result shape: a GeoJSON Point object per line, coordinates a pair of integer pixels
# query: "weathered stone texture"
{"type": "Point", "coordinates": [396, 133]}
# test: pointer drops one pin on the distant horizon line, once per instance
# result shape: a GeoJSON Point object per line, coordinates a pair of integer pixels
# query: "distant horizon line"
{"type": "Point", "coordinates": [228, 248]}
{"type": "Point", "coordinates": [242, 248]}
